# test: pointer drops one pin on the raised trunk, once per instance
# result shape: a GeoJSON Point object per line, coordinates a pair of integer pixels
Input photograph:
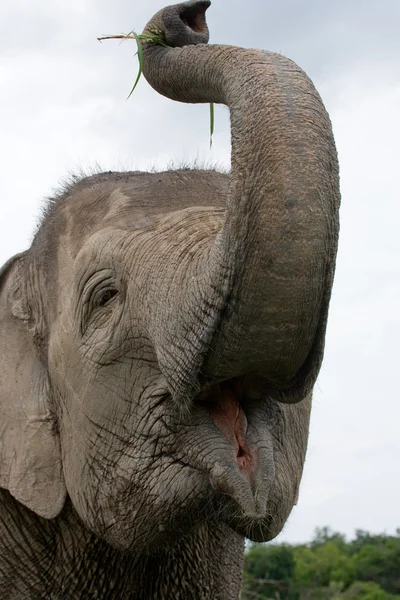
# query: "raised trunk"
{"type": "Point", "coordinates": [264, 285]}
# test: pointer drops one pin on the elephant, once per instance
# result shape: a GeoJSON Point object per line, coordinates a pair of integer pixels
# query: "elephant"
{"type": "Point", "coordinates": [160, 340]}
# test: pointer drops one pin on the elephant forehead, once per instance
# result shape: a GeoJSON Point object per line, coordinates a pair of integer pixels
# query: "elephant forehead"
{"type": "Point", "coordinates": [124, 201]}
{"type": "Point", "coordinates": [119, 236]}
{"type": "Point", "coordinates": [136, 200]}
{"type": "Point", "coordinates": [123, 210]}
{"type": "Point", "coordinates": [93, 211]}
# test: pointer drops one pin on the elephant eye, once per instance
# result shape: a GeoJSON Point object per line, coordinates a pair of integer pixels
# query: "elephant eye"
{"type": "Point", "coordinates": [98, 299]}
{"type": "Point", "coordinates": [105, 297]}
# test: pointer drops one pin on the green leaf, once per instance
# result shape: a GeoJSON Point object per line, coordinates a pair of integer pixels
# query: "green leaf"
{"type": "Point", "coordinates": [211, 122]}
{"type": "Point", "coordinates": [156, 37]}
{"type": "Point", "coordinates": [140, 57]}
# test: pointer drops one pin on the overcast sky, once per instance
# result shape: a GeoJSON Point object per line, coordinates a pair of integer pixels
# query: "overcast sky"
{"type": "Point", "coordinates": [63, 107]}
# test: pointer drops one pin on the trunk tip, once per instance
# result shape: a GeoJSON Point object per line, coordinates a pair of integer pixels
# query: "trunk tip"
{"type": "Point", "coordinates": [185, 24]}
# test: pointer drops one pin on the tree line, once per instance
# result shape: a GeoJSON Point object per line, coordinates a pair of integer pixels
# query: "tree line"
{"type": "Point", "coordinates": [327, 568]}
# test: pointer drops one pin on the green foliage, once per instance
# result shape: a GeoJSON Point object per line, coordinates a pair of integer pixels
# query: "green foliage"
{"type": "Point", "coordinates": [322, 564]}
{"type": "Point", "coordinates": [269, 570]}
{"type": "Point", "coordinates": [378, 559]}
{"type": "Point", "coordinates": [327, 568]}
{"type": "Point", "coordinates": [367, 590]}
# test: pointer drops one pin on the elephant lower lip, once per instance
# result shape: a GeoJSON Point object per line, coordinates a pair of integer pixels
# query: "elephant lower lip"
{"type": "Point", "coordinates": [248, 487]}
{"type": "Point", "coordinates": [228, 415]}
{"type": "Point", "coordinates": [224, 404]}
{"type": "Point", "coordinates": [242, 468]}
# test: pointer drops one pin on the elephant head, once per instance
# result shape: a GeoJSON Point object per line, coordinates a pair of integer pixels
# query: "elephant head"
{"type": "Point", "coordinates": [161, 337]}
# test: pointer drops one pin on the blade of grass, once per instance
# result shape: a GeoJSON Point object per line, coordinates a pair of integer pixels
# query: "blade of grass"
{"type": "Point", "coordinates": [157, 37]}
{"type": "Point", "coordinates": [211, 122]}
{"type": "Point", "coordinates": [140, 57]}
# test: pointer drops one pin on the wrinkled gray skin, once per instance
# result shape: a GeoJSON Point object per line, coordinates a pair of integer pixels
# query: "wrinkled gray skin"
{"type": "Point", "coordinates": [160, 341]}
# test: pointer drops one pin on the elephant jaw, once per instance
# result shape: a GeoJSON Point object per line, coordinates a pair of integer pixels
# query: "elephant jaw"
{"type": "Point", "coordinates": [245, 472]}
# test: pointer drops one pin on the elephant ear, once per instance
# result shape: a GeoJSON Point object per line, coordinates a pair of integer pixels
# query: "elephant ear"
{"type": "Point", "coordinates": [30, 454]}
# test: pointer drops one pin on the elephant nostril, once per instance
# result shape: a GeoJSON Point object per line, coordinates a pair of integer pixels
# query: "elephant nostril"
{"type": "Point", "coordinates": [194, 17]}
{"type": "Point", "coordinates": [185, 24]}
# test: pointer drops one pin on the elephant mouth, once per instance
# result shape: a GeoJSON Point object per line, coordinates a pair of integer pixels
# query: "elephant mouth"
{"type": "Point", "coordinates": [225, 407]}
{"type": "Point", "coordinates": [240, 465]}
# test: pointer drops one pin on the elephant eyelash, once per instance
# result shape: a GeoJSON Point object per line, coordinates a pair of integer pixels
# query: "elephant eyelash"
{"type": "Point", "coordinates": [97, 295]}
{"type": "Point", "coordinates": [101, 296]}
{"type": "Point", "coordinates": [105, 297]}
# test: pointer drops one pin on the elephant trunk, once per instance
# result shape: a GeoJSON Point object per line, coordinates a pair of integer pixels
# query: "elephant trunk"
{"type": "Point", "coordinates": [262, 288]}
